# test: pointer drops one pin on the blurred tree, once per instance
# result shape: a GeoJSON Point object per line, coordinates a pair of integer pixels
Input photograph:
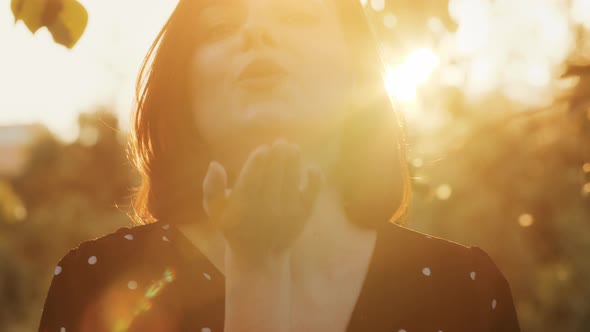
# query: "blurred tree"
{"type": "Point", "coordinates": [71, 192]}
{"type": "Point", "coordinates": [520, 181]}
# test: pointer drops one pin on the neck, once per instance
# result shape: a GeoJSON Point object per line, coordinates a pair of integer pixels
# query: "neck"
{"type": "Point", "coordinates": [325, 244]}
{"type": "Point", "coordinates": [329, 242]}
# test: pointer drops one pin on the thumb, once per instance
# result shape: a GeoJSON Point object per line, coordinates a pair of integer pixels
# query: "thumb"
{"type": "Point", "coordinates": [214, 189]}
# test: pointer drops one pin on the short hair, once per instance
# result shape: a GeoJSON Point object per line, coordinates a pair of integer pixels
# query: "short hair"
{"type": "Point", "coordinates": [166, 149]}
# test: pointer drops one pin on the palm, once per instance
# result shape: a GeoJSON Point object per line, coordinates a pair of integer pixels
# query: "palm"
{"type": "Point", "coordinates": [267, 208]}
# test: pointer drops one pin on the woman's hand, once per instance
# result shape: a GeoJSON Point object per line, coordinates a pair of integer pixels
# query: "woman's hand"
{"type": "Point", "coordinates": [262, 215]}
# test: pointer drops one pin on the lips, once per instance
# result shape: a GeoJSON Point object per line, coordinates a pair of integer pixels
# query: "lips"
{"type": "Point", "coordinates": [261, 69]}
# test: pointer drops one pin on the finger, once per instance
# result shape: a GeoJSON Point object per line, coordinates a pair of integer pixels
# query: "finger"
{"type": "Point", "coordinates": [273, 179]}
{"type": "Point", "coordinates": [249, 182]}
{"type": "Point", "coordinates": [214, 189]}
{"type": "Point", "coordinates": [247, 188]}
{"type": "Point", "coordinates": [291, 200]}
{"type": "Point", "coordinates": [291, 180]}
{"type": "Point", "coordinates": [312, 189]}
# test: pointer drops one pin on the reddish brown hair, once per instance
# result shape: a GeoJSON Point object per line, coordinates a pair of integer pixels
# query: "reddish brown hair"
{"type": "Point", "coordinates": [171, 157]}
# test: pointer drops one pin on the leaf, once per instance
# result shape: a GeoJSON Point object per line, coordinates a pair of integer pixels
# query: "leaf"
{"type": "Point", "coordinates": [70, 23]}
{"type": "Point", "coordinates": [29, 11]}
{"type": "Point", "coordinates": [66, 20]}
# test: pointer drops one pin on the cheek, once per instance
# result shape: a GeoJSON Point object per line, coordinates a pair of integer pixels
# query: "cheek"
{"type": "Point", "coordinates": [326, 69]}
{"type": "Point", "coordinates": [209, 69]}
{"type": "Point", "coordinates": [210, 72]}
{"type": "Point", "coordinates": [325, 58]}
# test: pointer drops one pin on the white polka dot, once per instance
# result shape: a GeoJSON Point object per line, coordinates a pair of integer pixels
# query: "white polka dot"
{"type": "Point", "coordinates": [63, 329]}
{"type": "Point", "coordinates": [92, 260]}
{"type": "Point", "coordinates": [57, 270]}
{"type": "Point", "coordinates": [207, 275]}
{"type": "Point", "coordinates": [426, 271]}
{"type": "Point", "coordinates": [472, 275]}
{"type": "Point", "coordinates": [166, 226]}
{"type": "Point", "coordinates": [494, 302]}
{"type": "Point", "coordinates": [165, 238]}
{"type": "Point", "coordinates": [205, 329]}
{"type": "Point", "coordinates": [129, 237]}
{"type": "Point", "coordinates": [132, 284]}
{"type": "Point", "coordinates": [401, 330]}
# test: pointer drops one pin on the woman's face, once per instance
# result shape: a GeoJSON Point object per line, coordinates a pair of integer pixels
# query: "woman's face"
{"type": "Point", "coordinates": [270, 68]}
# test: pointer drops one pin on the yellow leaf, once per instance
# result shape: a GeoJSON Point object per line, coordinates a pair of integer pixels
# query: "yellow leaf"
{"type": "Point", "coordinates": [70, 23]}
{"type": "Point", "coordinates": [66, 20]}
{"type": "Point", "coordinates": [29, 11]}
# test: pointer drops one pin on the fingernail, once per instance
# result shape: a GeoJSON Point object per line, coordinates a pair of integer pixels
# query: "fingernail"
{"type": "Point", "coordinates": [215, 162]}
{"type": "Point", "coordinates": [210, 165]}
{"type": "Point", "coordinates": [281, 141]}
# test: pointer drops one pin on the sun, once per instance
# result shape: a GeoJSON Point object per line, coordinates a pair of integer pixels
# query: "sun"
{"type": "Point", "coordinates": [404, 79]}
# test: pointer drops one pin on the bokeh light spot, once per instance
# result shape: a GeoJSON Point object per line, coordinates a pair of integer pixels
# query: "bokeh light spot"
{"type": "Point", "coordinates": [525, 220]}
{"type": "Point", "coordinates": [378, 5]}
{"type": "Point", "coordinates": [132, 284]}
{"type": "Point", "coordinates": [389, 20]}
{"type": "Point", "coordinates": [417, 162]}
{"type": "Point", "coordinates": [443, 192]}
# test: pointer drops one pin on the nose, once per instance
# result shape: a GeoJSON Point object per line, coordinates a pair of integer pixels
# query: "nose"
{"type": "Point", "coordinates": [256, 35]}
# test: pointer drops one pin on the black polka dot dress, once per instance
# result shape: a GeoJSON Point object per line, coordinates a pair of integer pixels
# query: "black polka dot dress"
{"type": "Point", "coordinates": [152, 278]}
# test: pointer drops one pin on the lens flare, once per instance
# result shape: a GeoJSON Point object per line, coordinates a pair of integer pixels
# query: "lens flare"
{"type": "Point", "coordinates": [119, 305]}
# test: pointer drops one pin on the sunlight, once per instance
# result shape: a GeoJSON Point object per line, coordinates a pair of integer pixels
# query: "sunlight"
{"type": "Point", "coordinates": [580, 12]}
{"type": "Point", "coordinates": [100, 69]}
{"type": "Point", "coordinates": [404, 79]}
{"type": "Point", "coordinates": [517, 54]}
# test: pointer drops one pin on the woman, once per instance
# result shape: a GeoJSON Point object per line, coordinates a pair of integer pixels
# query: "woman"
{"type": "Point", "coordinates": [274, 192]}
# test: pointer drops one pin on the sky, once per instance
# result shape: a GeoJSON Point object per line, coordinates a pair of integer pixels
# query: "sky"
{"type": "Point", "coordinates": [41, 81]}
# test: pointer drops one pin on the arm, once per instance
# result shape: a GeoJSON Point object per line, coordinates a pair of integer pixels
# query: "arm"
{"type": "Point", "coordinates": [64, 302]}
{"type": "Point", "coordinates": [260, 218]}
{"type": "Point", "coordinates": [257, 295]}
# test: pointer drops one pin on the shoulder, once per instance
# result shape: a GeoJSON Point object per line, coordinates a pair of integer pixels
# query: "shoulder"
{"type": "Point", "coordinates": [438, 264]}
{"type": "Point", "coordinates": [129, 236]}
{"type": "Point", "coordinates": [98, 272]}
{"type": "Point", "coordinates": [119, 250]}
{"type": "Point", "coordinates": [441, 251]}
{"type": "Point", "coordinates": [448, 277]}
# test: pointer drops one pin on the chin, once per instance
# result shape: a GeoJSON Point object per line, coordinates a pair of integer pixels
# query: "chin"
{"type": "Point", "coordinates": [272, 119]}
{"type": "Point", "coordinates": [268, 111]}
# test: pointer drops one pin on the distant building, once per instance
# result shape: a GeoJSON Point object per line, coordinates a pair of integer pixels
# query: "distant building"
{"type": "Point", "coordinates": [15, 143]}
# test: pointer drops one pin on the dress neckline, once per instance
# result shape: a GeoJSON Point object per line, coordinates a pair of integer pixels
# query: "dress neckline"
{"type": "Point", "coordinates": [193, 254]}
{"type": "Point", "coordinates": [190, 251]}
